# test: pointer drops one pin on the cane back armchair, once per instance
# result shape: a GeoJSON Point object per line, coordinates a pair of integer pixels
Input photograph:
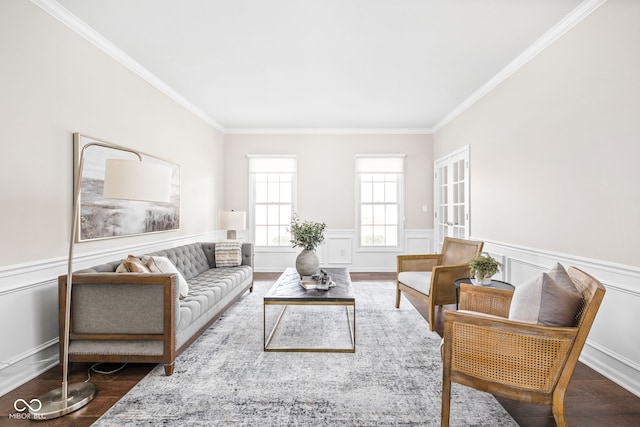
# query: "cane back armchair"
{"type": "Point", "coordinates": [431, 277]}
{"type": "Point", "coordinates": [526, 362]}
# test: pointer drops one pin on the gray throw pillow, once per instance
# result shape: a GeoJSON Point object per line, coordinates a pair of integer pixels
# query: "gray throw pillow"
{"type": "Point", "coordinates": [543, 301]}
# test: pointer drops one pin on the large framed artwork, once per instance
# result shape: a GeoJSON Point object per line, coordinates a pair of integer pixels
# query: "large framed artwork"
{"type": "Point", "coordinates": [101, 218]}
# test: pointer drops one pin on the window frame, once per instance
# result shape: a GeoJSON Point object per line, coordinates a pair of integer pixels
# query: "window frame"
{"type": "Point", "coordinates": [399, 202]}
{"type": "Point", "coordinates": [286, 247]}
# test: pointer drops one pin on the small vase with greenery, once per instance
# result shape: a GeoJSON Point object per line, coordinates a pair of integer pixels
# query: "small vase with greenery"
{"type": "Point", "coordinates": [307, 235]}
{"type": "Point", "coordinates": [483, 267]}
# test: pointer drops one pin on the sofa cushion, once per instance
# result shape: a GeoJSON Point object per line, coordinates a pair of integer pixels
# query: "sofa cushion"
{"type": "Point", "coordinates": [162, 264]}
{"type": "Point", "coordinates": [541, 300]}
{"type": "Point", "coordinates": [418, 280]}
{"type": "Point", "coordinates": [207, 289]}
{"type": "Point", "coordinates": [228, 253]}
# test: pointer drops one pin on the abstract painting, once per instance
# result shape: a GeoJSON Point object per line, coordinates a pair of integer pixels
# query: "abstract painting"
{"type": "Point", "coordinates": [102, 218]}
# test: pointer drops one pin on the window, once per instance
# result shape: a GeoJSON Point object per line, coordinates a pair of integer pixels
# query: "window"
{"type": "Point", "coordinates": [379, 190]}
{"type": "Point", "coordinates": [272, 180]}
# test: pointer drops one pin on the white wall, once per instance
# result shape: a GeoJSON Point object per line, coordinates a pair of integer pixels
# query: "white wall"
{"type": "Point", "coordinates": [554, 174]}
{"type": "Point", "coordinates": [53, 83]}
{"type": "Point", "coordinates": [326, 190]}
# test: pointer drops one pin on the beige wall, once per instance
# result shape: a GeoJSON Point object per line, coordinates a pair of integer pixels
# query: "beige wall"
{"type": "Point", "coordinates": [53, 83]}
{"type": "Point", "coordinates": [555, 147]}
{"type": "Point", "coordinates": [326, 182]}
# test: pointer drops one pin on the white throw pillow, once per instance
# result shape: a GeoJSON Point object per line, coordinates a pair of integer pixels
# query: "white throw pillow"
{"type": "Point", "coordinates": [162, 264]}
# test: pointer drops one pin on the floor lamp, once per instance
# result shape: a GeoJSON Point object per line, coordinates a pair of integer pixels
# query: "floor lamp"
{"type": "Point", "coordinates": [124, 179]}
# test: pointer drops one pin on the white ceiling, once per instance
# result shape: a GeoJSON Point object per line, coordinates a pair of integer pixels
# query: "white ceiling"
{"type": "Point", "coordinates": [322, 64]}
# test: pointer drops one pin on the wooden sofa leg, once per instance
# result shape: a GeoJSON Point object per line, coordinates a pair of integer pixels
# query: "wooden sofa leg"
{"type": "Point", "coordinates": [168, 369]}
{"type": "Point", "coordinates": [397, 296]}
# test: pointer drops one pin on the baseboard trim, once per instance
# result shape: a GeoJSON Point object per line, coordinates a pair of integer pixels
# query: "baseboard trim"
{"type": "Point", "coordinates": [618, 369]}
{"type": "Point", "coordinates": [25, 367]}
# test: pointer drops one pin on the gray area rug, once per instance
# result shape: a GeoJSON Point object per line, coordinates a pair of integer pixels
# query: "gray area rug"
{"type": "Point", "coordinates": [393, 379]}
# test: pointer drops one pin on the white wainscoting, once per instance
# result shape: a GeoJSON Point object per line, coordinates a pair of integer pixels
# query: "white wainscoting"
{"type": "Point", "coordinates": [340, 249]}
{"type": "Point", "coordinates": [29, 301]}
{"type": "Point", "coordinates": [613, 345]}
{"type": "Point", "coordinates": [29, 308]}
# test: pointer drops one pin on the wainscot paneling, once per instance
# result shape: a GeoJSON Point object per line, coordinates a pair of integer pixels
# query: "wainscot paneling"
{"type": "Point", "coordinates": [29, 301]}
{"type": "Point", "coordinates": [612, 348]}
{"type": "Point", "coordinates": [340, 249]}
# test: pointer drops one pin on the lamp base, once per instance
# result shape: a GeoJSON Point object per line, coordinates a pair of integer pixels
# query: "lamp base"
{"type": "Point", "coordinates": [231, 234]}
{"type": "Point", "coordinates": [53, 405]}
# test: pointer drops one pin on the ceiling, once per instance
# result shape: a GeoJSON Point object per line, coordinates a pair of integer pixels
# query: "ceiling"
{"type": "Point", "coordinates": [322, 64]}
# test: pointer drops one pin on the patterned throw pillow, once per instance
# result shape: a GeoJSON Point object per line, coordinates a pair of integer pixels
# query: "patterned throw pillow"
{"type": "Point", "coordinates": [228, 253]}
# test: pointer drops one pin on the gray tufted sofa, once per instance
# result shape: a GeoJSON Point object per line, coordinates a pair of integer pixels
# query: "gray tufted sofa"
{"type": "Point", "coordinates": [136, 317]}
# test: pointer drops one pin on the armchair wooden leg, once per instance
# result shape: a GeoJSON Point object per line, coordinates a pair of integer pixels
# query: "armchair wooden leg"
{"type": "Point", "coordinates": [432, 317]}
{"type": "Point", "coordinates": [558, 411]}
{"type": "Point", "coordinates": [446, 403]}
{"type": "Point", "coordinates": [397, 296]}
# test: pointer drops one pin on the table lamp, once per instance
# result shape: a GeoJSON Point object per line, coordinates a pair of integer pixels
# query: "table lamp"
{"type": "Point", "coordinates": [232, 221]}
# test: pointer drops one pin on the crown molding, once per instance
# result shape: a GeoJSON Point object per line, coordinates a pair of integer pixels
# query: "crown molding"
{"type": "Point", "coordinates": [328, 131]}
{"type": "Point", "coordinates": [578, 14]}
{"type": "Point", "coordinates": [56, 10]}
{"type": "Point", "coordinates": [71, 21]}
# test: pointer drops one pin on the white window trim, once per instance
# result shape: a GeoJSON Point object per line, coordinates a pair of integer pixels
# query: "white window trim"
{"type": "Point", "coordinates": [294, 203]}
{"type": "Point", "coordinates": [401, 219]}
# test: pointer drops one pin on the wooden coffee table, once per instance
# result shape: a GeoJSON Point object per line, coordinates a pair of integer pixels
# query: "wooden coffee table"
{"type": "Point", "coordinates": [288, 291]}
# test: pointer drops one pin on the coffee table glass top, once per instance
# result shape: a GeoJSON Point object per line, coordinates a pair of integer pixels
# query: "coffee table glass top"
{"type": "Point", "coordinates": [288, 288]}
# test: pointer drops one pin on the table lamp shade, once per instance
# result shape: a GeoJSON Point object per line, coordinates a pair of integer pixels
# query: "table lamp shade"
{"type": "Point", "coordinates": [232, 220]}
{"type": "Point", "coordinates": [137, 180]}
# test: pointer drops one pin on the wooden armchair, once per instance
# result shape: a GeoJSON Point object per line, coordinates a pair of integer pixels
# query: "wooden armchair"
{"type": "Point", "coordinates": [431, 277]}
{"type": "Point", "coordinates": [521, 361]}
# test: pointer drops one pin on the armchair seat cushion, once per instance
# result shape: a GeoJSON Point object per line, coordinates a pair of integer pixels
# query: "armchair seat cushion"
{"type": "Point", "coordinates": [418, 280]}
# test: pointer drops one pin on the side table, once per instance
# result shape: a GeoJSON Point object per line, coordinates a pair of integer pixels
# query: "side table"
{"type": "Point", "coordinates": [494, 284]}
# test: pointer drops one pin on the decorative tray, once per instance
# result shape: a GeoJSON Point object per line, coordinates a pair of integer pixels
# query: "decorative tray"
{"type": "Point", "coordinates": [308, 282]}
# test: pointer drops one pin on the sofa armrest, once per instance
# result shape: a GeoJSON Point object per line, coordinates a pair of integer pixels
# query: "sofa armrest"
{"type": "Point", "coordinates": [110, 306]}
{"type": "Point", "coordinates": [247, 254]}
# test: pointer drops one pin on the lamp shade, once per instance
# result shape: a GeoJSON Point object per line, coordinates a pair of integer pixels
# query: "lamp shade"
{"type": "Point", "coordinates": [232, 220]}
{"type": "Point", "coordinates": [137, 180]}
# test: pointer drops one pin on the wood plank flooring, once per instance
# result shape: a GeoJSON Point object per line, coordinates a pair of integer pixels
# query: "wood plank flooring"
{"type": "Point", "coordinates": [592, 400]}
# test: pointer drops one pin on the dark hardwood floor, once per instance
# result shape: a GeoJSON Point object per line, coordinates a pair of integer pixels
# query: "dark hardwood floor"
{"type": "Point", "coordinates": [592, 400]}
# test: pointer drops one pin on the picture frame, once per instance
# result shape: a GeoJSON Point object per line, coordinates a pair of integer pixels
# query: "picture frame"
{"type": "Point", "coordinates": [101, 218]}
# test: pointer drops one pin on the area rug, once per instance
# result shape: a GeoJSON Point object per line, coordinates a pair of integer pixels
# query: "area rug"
{"type": "Point", "coordinates": [226, 379]}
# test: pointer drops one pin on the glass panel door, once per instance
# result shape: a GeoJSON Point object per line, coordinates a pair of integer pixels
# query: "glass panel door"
{"type": "Point", "coordinates": [452, 197]}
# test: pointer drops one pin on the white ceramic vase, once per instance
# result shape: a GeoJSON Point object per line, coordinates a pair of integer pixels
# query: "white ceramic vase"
{"type": "Point", "coordinates": [486, 280]}
{"type": "Point", "coordinates": [307, 263]}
